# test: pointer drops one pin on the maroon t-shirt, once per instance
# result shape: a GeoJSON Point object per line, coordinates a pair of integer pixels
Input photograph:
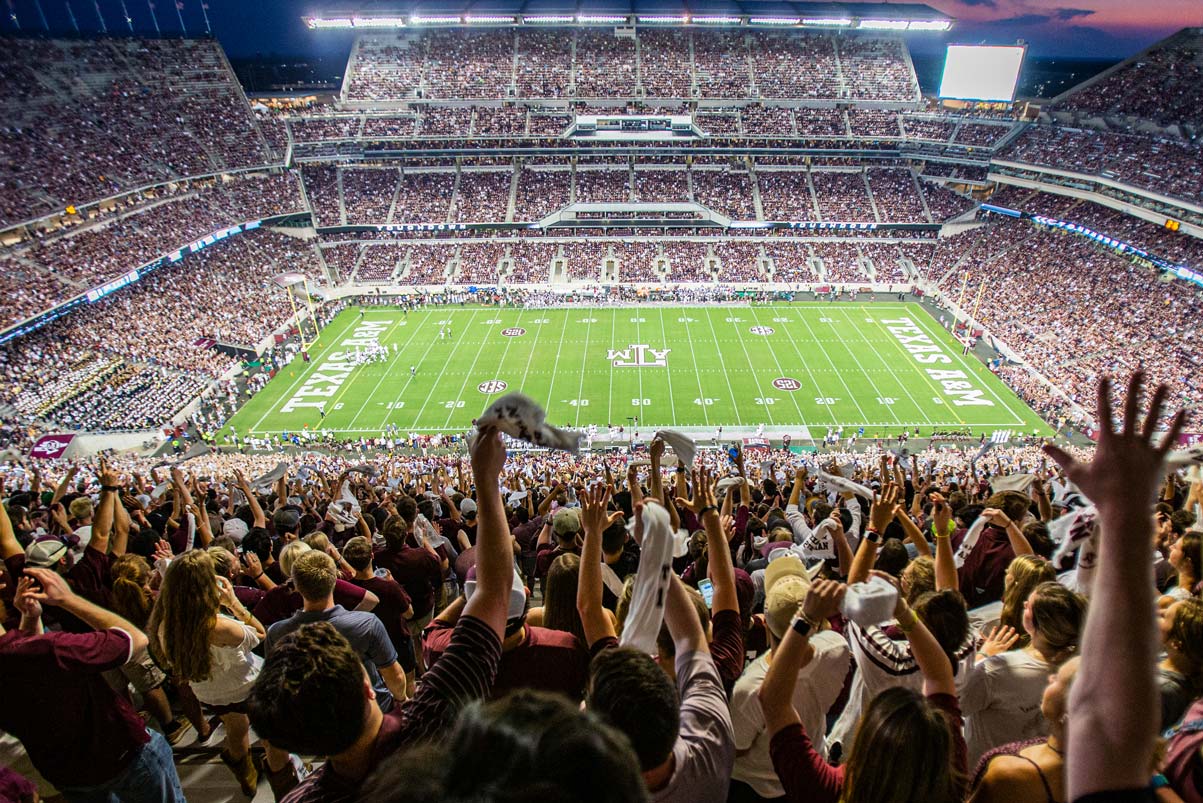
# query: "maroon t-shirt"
{"type": "Point", "coordinates": [393, 603]}
{"type": "Point", "coordinates": [547, 660]}
{"type": "Point", "coordinates": [284, 600]}
{"type": "Point", "coordinates": [91, 577]}
{"type": "Point", "coordinates": [76, 729]}
{"type": "Point", "coordinates": [984, 573]}
{"type": "Point", "coordinates": [418, 572]}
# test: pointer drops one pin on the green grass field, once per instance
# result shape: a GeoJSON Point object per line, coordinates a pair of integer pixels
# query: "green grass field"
{"type": "Point", "coordinates": [794, 367]}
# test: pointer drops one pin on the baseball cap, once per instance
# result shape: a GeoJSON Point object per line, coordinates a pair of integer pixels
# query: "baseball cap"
{"type": "Point", "coordinates": [516, 607]}
{"type": "Point", "coordinates": [566, 521]}
{"type": "Point", "coordinates": [467, 507]}
{"type": "Point", "coordinates": [236, 529]}
{"type": "Point", "coordinates": [45, 552]}
{"type": "Point", "coordinates": [786, 583]}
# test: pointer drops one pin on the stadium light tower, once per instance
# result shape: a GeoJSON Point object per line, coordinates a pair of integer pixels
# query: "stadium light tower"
{"type": "Point", "coordinates": [295, 286]}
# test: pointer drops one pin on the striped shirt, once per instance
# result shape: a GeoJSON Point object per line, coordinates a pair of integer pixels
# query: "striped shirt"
{"type": "Point", "coordinates": [464, 673]}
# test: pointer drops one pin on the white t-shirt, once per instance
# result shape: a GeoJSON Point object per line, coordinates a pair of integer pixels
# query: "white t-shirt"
{"type": "Point", "coordinates": [233, 671]}
{"type": "Point", "coordinates": [818, 686]}
{"type": "Point", "coordinates": [882, 663]}
{"type": "Point", "coordinates": [1001, 701]}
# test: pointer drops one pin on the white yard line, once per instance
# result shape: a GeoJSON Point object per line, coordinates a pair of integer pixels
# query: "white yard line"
{"type": "Point", "coordinates": [435, 383]}
{"type": "Point", "coordinates": [768, 408]}
{"type": "Point", "coordinates": [390, 367]}
{"type": "Point", "coordinates": [555, 368]}
{"type": "Point", "coordinates": [908, 359]}
{"type": "Point", "coordinates": [468, 377]}
{"type": "Point", "coordinates": [584, 359]}
{"type": "Point", "coordinates": [794, 395]}
{"type": "Point", "coordinates": [694, 360]}
{"type": "Point", "coordinates": [730, 388]}
{"type": "Point", "coordinates": [838, 373]}
{"type": "Point", "coordinates": [802, 361]}
{"type": "Point", "coordinates": [313, 363]}
{"type": "Point", "coordinates": [919, 319]}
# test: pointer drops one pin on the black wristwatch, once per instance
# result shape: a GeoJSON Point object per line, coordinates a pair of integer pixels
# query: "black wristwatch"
{"type": "Point", "coordinates": [802, 626]}
{"type": "Point", "coordinates": [110, 488]}
{"type": "Point", "coordinates": [872, 536]}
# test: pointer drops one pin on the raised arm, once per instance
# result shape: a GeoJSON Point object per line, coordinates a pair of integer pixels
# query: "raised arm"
{"type": "Point", "coordinates": [722, 570]}
{"type": "Point", "coordinates": [494, 556]}
{"type": "Point", "coordinates": [880, 515]}
{"type": "Point", "coordinates": [946, 566]}
{"type": "Point", "coordinates": [929, 655]}
{"type": "Point", "coordinates": [681, 618]}
{"type": "Point", "coordinates": [594, 521]}
{"type": "Point", "coordinates": [9, 545]}
{"type": "Point", "coordinates": [252, 500]}
{"type": "Point", "coordinates": [1113, 708]}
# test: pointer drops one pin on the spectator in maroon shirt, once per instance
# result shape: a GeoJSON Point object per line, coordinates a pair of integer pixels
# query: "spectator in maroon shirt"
{"type": "Point", "coordinates": [417, 568]}
{"type": "Point", "coordinates": [314, 697]}
{"type": "Point", "coordinates": [565, 525]}
{"type": "Point", "coordinates": [982, 577]}
{"type": "Point", "coordinates": [394, 609]}
{"type": "Point", "coordinates": [531, 657]}
{"type": "Point", "coordinates": [82, 736]}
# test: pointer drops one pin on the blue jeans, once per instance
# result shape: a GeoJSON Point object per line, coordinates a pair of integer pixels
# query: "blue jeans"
{"type": "Point", "coordinates": [150, 779]}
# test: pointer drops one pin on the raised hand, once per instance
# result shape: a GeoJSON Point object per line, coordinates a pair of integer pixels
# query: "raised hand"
{"type": "Point", "coordinates": [703, 493]}
{"type": "Point", "coordinates": [1001, 639]}
{"type": "Point", "coordinates": [488, 457]}
{"type": "Point", "coordinates": [51, 588]}
{"type": "Point", "coordinates": [996, 517]}
{"type": "Point", "coordinates": [941, 513]}
{"type": "Point", "coordinates": [25, 600]}
{"type": "Point", "coordinates": [594, 517]}
{"type": "Point", "coordinates": [823, 600]}
{"type": "Point", "coordinates": [1126, 469]}
{"type": "Point", "coordinates": [882, 511]}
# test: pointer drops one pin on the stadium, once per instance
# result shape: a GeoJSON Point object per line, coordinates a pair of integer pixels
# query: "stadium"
{"type": "Point", "coordinates": [744, 223]}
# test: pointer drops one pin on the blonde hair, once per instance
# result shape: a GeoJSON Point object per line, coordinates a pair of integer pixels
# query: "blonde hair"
{"type": "Point", "coordinates": [130, 599]}
{"type": "Point", "coordinates": [1027, 572]}
{"type": "Point", "coordinates": [289, 555]}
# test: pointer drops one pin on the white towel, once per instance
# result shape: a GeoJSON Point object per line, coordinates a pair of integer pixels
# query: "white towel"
{"type": "Point", "coordinates": [521, 417]}
{"type": "Point", "coordinates": [651, 581]}
{"type": "Point", "coordinates": [682, 445]}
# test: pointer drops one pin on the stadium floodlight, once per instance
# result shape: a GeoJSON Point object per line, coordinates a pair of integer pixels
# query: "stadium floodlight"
{"type": "Point", "coordinates": [715, 20]}
{"type": "Point", "coordinates": [378, 22]}
{"type": "Point", "coordinates": [437, 19]}
{"type": "Point", "coordinates": [774, 20]}
{"type": "Point", "coordinates": [548, 19]}
{"type": "Point", "coordinates": [929, 25]}
{"type": "Point", "coordinates": [663, 19]}
{"type": "Point", "coordinates": [489, 19]}
{"type": "Point", "coordinates": [828, 22]}
{"type": "Point", "coordinates": [315, 23]}
{"type": "Point", "coordinates": [605, 19]}
{"type": "Point", "coordinates": [883, 25]}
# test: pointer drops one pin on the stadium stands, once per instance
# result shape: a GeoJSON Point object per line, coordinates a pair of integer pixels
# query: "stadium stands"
{"type": "Point", "coordinates": [583, 63]}
{"type": "Point", "coordinates": [87, 119]}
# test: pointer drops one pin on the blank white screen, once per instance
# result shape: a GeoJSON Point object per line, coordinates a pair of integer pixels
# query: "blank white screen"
{"type": "Point", "coordinates": [981, 73]}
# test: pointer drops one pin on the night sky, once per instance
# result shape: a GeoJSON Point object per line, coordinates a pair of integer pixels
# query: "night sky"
{"type": "Point", "coordinates": [1079, 28]}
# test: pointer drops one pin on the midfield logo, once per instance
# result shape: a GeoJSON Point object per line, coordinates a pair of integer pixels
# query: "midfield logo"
{"type": "Point", "coordinates": [644, 357]}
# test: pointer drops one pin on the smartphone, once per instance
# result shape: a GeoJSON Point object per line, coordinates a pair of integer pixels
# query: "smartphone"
{"type": "Point", "coordinates": [707, 589]}
{"type": "Point", "coordinates": [733, 453]}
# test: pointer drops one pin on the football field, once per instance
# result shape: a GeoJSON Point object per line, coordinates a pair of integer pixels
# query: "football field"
{"type": "Point", "coordinates": [798, 367]}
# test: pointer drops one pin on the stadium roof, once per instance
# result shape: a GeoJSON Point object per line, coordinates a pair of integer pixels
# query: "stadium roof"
{"type": "Point", "coordinates": [769, 13]}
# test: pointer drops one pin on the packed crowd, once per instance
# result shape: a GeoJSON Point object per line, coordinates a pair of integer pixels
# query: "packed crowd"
{"type": "Point", "coordinates": [48, 269]}
{"type": "Point", "coordinates": [1164, 85]}
{"type": "Point", "coordinates": [938, 629]}
{"type": "Point", "coordinates": [586, 63]}
{"type": "Point", "coordinates": [135, 357]}
{"type": "Point", "coordinates": [1150, 323]}
{"type": "Point", "coordinates": [85, 119]}
{"type": "Point", "coordinates": [1164, 165]}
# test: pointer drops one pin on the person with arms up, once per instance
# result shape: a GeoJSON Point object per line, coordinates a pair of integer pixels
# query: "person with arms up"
{"type": "Point", "coordinates": [1114, 707]}
{"type": "Point", "coordinates": [315, 698]}
{"type": "Point", "coordinates": [82, 736]}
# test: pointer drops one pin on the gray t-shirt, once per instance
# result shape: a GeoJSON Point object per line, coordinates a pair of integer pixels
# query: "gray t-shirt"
{"type": "Point", "coordinates": [705, 748]}
{"type": "Point", "coordinates": [363, 630]}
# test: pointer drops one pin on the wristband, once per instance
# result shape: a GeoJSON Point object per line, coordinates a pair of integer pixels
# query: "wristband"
{"type": "Point", "coordinates": [706, 510]}
{"type": "Point", "coordinates": [907, 626]}
{"type": "Point", "coordinates": [256, 577]}
{"type": "Point", "coordinates": [872, 536]}
{"type": "Point", "coordinates": [1159, 782]}
{"type": "Point", "coordinates": [110, 488]}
